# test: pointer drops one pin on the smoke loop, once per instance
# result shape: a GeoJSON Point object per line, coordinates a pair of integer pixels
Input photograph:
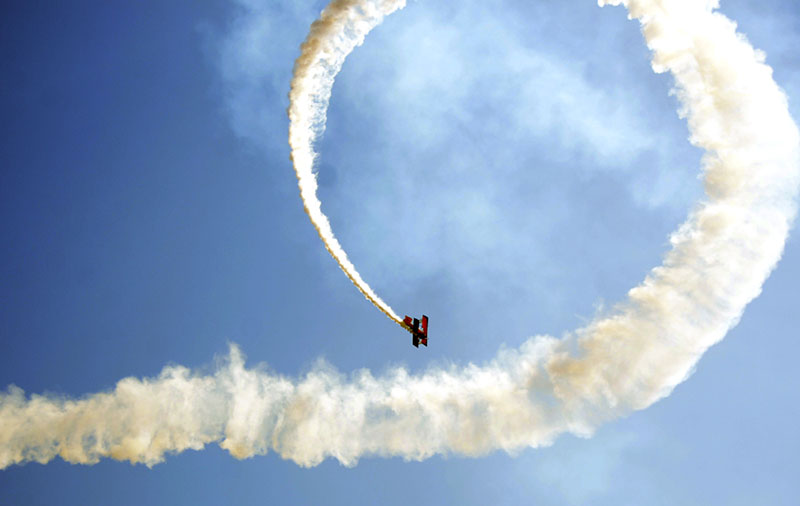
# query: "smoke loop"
{"type": "Point", "coordinates": [523, 398]}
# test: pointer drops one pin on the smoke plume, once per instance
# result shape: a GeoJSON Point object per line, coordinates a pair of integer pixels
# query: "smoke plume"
{"type": "Point", "coordinates": [718, 262]}
{"type": "Point", "coordinates": [342, 27]}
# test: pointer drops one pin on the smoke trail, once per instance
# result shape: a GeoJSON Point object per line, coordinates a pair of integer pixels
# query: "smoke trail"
{"type": "Point", "coordinates": [524, 398]}
{"type": "Point", "coordinates": [340, 29]}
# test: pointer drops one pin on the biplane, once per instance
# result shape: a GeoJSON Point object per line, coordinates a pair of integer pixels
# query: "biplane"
{"type": "Point", "coordinates": [418, 329]}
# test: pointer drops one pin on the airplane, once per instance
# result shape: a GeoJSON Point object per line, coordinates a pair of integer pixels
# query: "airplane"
{"type": "Point", "coordinates": [419, 335]}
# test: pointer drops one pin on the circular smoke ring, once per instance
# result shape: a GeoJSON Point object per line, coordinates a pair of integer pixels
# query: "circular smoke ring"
{"type": "Point", "coordinates": [526, 397]}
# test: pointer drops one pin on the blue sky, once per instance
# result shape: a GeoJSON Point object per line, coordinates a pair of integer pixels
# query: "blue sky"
{"type": "Point", "coordinates": [506, 167]}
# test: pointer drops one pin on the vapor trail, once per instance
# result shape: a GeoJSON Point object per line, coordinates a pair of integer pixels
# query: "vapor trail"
{"type": "Point", "coordinates": [340, 29]}
{"type": "Point", "coordinates": [523, 398]}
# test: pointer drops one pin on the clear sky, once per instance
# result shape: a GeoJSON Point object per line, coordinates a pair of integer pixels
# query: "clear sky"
{"type": "Point", "coordinates": [507, 167]}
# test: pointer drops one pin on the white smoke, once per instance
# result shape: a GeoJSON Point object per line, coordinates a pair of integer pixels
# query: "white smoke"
{"type": "Point", "coordinates": [524, 398]}
{"type": "Point", "coordinates": [340, 29]}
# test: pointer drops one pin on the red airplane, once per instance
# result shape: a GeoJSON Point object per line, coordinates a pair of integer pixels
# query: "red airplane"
{"type": "Point", "coordinates": [419, 335]}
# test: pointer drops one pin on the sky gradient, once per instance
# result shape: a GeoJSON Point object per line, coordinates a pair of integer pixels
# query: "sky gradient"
{"type": "Point", "coordinates": [150, 216]}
